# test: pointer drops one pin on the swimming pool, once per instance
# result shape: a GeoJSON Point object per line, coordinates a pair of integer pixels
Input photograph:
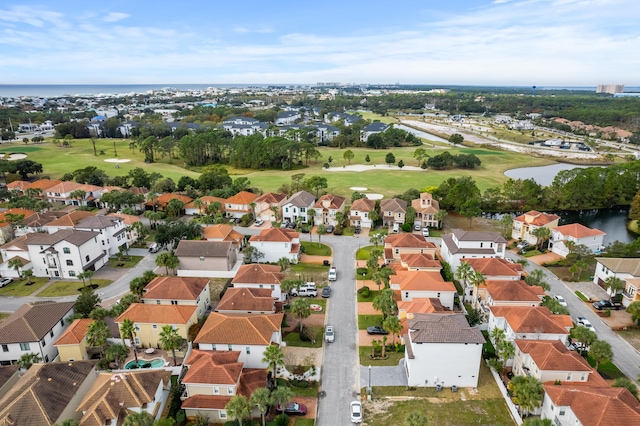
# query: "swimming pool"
{"type": "Point", "coordinates": [155, 363]}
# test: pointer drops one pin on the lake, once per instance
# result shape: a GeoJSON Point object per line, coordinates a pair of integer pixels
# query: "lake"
{"type": "Point", "coordinates": [544, 175]}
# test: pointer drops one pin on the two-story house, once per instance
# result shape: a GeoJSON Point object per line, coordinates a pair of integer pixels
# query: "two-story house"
{"type": "Point", "coordinates": [213, 378]}
{"type": "Point", "coordinates": [424, 285]}
{"type": "Point", "coordinates": [249, 334]}
{"type": "Point", "coordinates": [66, 221]}
{"type": "Point", "coordinates": [297, 206]}
{"type": "Point", "coordinates": [621, 268]}
{"type": "Point", "coordinates": [287, 117]}
{"type": "Point", "coordinates": [276, 243]}
{"type": "Point", "coordinates": [82, 193]}
{"type": "Point", "coordinates": [462, 244]}
{"type": "Point", "coordinates": [72, 344]}
{"type": "Point", "coordinates": [11, 220]}
{"type": "Point", "coordinates": [240, 204]}
{"type": "Point", "coordinates": [492, 269]}
{"type": "Point", "coordinates": [204, 205]}
{"type": "Point", "coordinates": [187, 291]}
{"type": "Point", "coordinates": [34, 328]}
{"type": "Point", "coordinates": [149, 319]}
{"type": "Point", "coordinates": [397, 245]}
{"type": "Point", "coordinates": [66, 253]}
{"type": "Point", "coordinates": [525, 224]}
{"type": "Point", "coordinates": [394, 211]}
{"type": "Point", "coordinates": [360, 212]}
{"type": "Point", "coordinates": [419, 262]}
{"type": "Point", "coordinates": [223, 233]}
{"type": "Point", "coordinates": [372, 129]}
{"type": "Point", "coordinates": [630, 293]}
{"type": "Point", "coordinates": [260, 276]}
{"type": "Point", "coordinates": [269, 205]}
{"type": "Point", "coordinates": [245, 126]}
{"type": "Point", "coordinates": [326, 208]}
{"type": "Point", "coordinates": [442, 350]}
{"type": "Point", "coordinates": [529, 323]}
{"type": "Point", "coordinates": [112, 232]}
{"type": "Point", "coordinates": [326, 132]}
{"type": "Point", "coordinates": [203, 258]}
{"type": "Point", "coordinates": [246, 300]}
{"type": "Point", "coordinates": [507, 293]}
{"type": "Point", "coordinates": [161, 201]}
{"type": "Point", "coordinates": [579, 235]}
{"type": "Point", "coordinates": [426, 210]}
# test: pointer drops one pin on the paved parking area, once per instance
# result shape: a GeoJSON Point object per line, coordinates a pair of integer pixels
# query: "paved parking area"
{"type": "Point", "coordinates": [384, 376]}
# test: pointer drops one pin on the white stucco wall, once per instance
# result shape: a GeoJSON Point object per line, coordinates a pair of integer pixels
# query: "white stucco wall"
{"type": "Point", "coordinates": [452, 364]}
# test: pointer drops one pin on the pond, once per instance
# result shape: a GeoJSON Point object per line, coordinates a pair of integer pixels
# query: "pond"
{"type": "Point", "coordinates": [155, 363]}
{"type": "Point", "coordinates": [544, 175]}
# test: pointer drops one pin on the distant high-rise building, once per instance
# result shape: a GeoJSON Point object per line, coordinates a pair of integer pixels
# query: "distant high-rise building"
{"type": "Point", "coordinates": [610, 88]}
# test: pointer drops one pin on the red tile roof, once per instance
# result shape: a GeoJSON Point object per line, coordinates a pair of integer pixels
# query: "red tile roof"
{"type": "Point", "coordinates": [533, 319]}
{"type": "Point", "coordinates": [242, 197]}
{"type": "Point", "coordinates": [158, 314]}
{"type": "Point", "coordinates": [553, 355]}
{"type": "Point", "coordinates": [213, 367]}
{"type": "Point", "coordinates": [407, 241]}
{"type": "Point", "coordinates": [276, 235]}
{"type": "Point", "coordinates": [577, 230]}
{"type": "Point", "coordinates": [258, 273]}
{"type": "Point", "coordinates": [495, 267]}
{"type": "Point", "coordinates": [75, 333]}
{"type": "Point", "coordinates": [175, 288]}
{"type": "Point", "coordinates": [247, 299]}
{"type": "Point", "coordinates": [421, 281]}
{"type": "Point", "coordinates": [363, 205]}
{"type": "Point", "coordinates": [239, 329]}
{"type": "Point", "coordinates": [514, 291]}
{"type": "Point", "coordinates": [536, 218]}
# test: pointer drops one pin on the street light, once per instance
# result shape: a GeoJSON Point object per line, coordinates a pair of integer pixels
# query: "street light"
{"type": "Point", "coordinates": [369, 387]}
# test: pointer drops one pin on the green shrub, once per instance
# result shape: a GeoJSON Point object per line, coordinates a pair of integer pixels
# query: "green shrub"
{"type": "Point", "coordinates": [364, 291]}
{"type": "Point", "coordinates": [299, 383]}
{"type": "Point", "coordinates": [181, 417]}
{"type": "Point", "coordinates": [362, 271]}
{"type": "Point", "coordinates": [582, 296]}
{"type": "Point", "coordinates": [607, 313]}
{"type": "Point", "coordinates": [406, 227]}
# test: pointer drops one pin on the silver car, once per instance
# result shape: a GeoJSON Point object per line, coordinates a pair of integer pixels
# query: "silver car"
{"type": "Point", "coordinates": [329, 335]}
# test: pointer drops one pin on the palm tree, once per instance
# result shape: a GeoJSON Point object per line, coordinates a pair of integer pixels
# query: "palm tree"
{"type": "Point", "coordinates": [377, 238]}
{"type": "Point", "coordinates": [16, 263]}
{"type": "Point", "coordinates": [393, 326]}
{"type": "Point", "coordinates": [238, 408]}
{"type": "Point", "coordinates": [301, 308]}
{"type": "Point", "coordinates": [527, 392]}
{"type": "Point", "coordinates": [27, 360]}
{"type": "Point", "coordinates": [440, 215]}
{"type": "Point", "coordinates": [311, 214]}
{"type": "Point", "coordinates": [340, 217]}
{"type": "Point", "coordinates": [97, 335]}
{"type": "Point", "coordinates": [138, 419]}
{"type": "Point", "coordinates": [117, 353]}
{"type": "Point", "coordinates": [170, 340]}
{"type": "Point", "coordinates": [276, 212]}
{"type": "Point", "coordinates": [168, 260]}
{"type": "Point", "coordinates": [322, 230]}
{"type": "Point", "coordinates": [198, 204]}
{"type": "Point", "coordinates": [128, 331]}
{"type": "Point", "coordinates": [584, 336]}
{"type": "Point", "coordinates": [601, 352]}
{"type": "Point", "coordinates": [174, 207]}
{"type": "Point", "coordinates": [385, 302]}
{"type": "Point", "coordinates": [261, 398]}
{"type": "Point", "coordinates": [273, 357]}
{"type": "Point", "coordinates": [464, 272]}
{"type": "Point", "coordinates": [28, 275]}
{"type": "Point", "coordinates": [614, 285]}
{"type": "Point", "coordinates": [570, 245]}
{"type": "Point", "coordinates": [281, 396]}
{"type": "Point", "coordinates": [542, 234]}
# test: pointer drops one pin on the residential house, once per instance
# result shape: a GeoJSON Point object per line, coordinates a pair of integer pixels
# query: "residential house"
{"type": "Point", "coordinates": [492, 269]}
{"type": "Point", "coordinates": [530, 323]}
{"type": "Point", "coordinates": [205, 206]}
{"type": "Point", "coordinates": [213, 378]}
{"type": "Point", "coordinates": [260, 276]}
{"type": "Point", "coordinates": [326, 208]}
{"type": "Point", "coordinates": [423, 284]}
{"type": "Point", "coordinates": [396, 245]}
{"type": "Point", "coordinates": [579, 235]}
{"type": "Point", "coordinates": [269, 205]}
{"type": "Point", "coordinates": [249, 334]}
{"type": "Point", "coordinates": [112, 232]}
{"type": "Point", "coordinates": [66, 253]}
{"type": "Point", "coordinates": [622, 268]}
{"type": "Point", "coordinates": [394, 211]}
{"type": "Point", "coordinates": [297, 206]}
{"type": "Point", "coordinates": [525, 225]}
{"type": "Point", "coordinates": [48, 394]}
{"type": "Point", "coordinates": [287, 117]}
{"type": "Point", "coordinates": [113, 396]}
{"type": "Point", "coordinates": [18, 247]}
{"type": "Point", "coordinates": [462, 244]}
{"type": "Point", "coordinates": [61, 193]}
{"type": "Point", "coordinates": [205, 258]}
{"type": "Point", "coordinates": [160, 203]}
{"type": "Point", "coordinates": [240, 204]}
{"type": "Point", "coordinates": [37, 222]}
{"type": "Point", "coordinates": [507, 293]}
{"type": "Point", "coordinates": [347, 119]}
{"type": "Point", "coordinates": [419, 262]}
{"type": "Point", "coordinates": [374, 128]}
{"type": "Point", "coordinates": [129, 220]}
{"type": "Point", "coordinates": [11, 220]}
{"type": "Point", "coordinates": [223, 233]}
{"type": "Point", "coordinates": [360, 212]}
{"type": "Point", "coordinates": [276, 243]}
{"type": "Point", "coordinates": [246, 300]}
{"type": "Point", "coordinates": [630, 293]}
{"type": "Point", "coordinates": [442, 351]}
{"type": "Point", "coordinates": [149, 320]}
{"type": "Point", "coordinates": [576, 404]}
{"type": "Point", "coordinates": [551, 361]}
{"type": "Point", "coordinates": [245, 126]}
{"type": "Point", "coordinates": [38, 187]}
{"type": "Point", "coordinates": [326, 132]}
{"type": "Point", "coordinates": [67, 221]}
{"type": "Point", "coordinates": [72, 344]}
{"type": "Point", "coordinates": [33, 328]}
{"type": "Point", "coordinates": [426, 210]}
{"type": "Point", "coordinates": [186, 291]}
{"type": "Point", "coordinates": [430, 305]}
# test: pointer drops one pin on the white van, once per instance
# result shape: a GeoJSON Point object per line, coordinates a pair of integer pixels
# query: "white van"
{"type": "Point", "coordinates": [396, 228]}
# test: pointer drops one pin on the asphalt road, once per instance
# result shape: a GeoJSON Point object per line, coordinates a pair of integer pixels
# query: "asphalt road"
{"type": "Point", "coordinates": [625, 356]}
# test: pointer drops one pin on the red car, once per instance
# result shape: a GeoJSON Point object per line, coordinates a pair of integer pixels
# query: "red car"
{"type": "Point", "coordinates": [293, 408]}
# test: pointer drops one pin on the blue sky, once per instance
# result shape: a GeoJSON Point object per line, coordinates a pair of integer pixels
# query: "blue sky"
{"type": "Point", "coordinates": [484, 42]}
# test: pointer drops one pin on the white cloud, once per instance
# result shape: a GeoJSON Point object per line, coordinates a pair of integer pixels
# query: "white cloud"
{"type": "Point", "coordinates": [115, 16]}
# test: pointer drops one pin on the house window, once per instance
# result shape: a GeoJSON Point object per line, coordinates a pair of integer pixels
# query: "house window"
{"type": "Point", "coordinates": [568, 377]}
{"type": "Point", "coordinates": [157, 302]}
{"type": "Point", "coordinates": [216, 390]}
{"type": "Point", "coordinates": [43, 343]}
{"type": "Point", "coordinates": [62, 322]}
{"type": "Point", "coordinates": [248, 350]}
{"type": "Point", "coordinates": [229, 390]}
{"type": "Point", "coordinates": [65, 250]}
{"type": "Point", "coordinates": [223, 414]}
{"type": "Point", "coordinates": [562, 412]}
{"type": "Point", "coordinates": [174, 302]}
{"type": "Point", "coordinates": [230, 347]}
{"type": "Point", "coordinates": [25, 347]}
{"type": "Point", "coordinates": [137, 327]}
{"type": "Point", "coordinates": [260, 286]}
{"type": "Point", "coordinates": [72, 273]}
{"type": "Point", "coordinates": [438, 295]}
{"type": "Point", "coordinates": [583, 377]}
{"type": "Point", "coordinates": [137, 340]}
{"type": "Point", "coordinates": [51, 333]}
{"type": "Point", "coordinates": [201, 258]}
{"type": "Point", "coordinates": [69, 262]}
{"type": "Point", "coordinates": [5, 348]}
{"type": "Point", "coordinates": [86, 258]}
{"type": "Point", "coordinates": [406, 294]}
{"type": "Point", "coordinates": [154, 326]}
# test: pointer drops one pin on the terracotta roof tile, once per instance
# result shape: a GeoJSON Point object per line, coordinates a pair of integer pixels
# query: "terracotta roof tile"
{"type": "Point", "coordinates": [363, 205]}
{"type": "Point", "coordinates": [242, 197]}
{"type": "Point", "coordinates": [43, 184]}
{"type": "Point", "coordinates": [419, 260]}
{"type": "Point", "coordinates": [420, 305]}
{"type": "Point", "coordinates": [239, 329]}
{"type": "Point", "coordinates": [329, 201]}
{"type": "Point", "coordinates": [71, 219]}
{"type": "Point", "coordinates": [276, 235]}
{"type": "Point", "coordinates": [536, 218]}
{"type": "Point", "coordinates": [75, 333]}
{"type": "Point", "coordinates": [514, 291]}
{"type": "Point", "coordinates": [495, 267]}
{"type": "Point", "coordinates": [258, 273]}
{"type": "Point", "coordinates": [222, 232]}
{"type": "Point", "coordinates": [421, 280]}
{"type": "Point", "coordinates": [212, 402]}
{"type": "Point", "coordinates": [213, 367]}
{"type": "Point", "coordinates": [533, 319]}
{"type": "Point", "coordinates": [157, 314]}
{"type": "Point", "coordinates": [174, 288]}
{"type": "Point", "coordinates": [271, 198]}
{"type": "Point", "coordinates": [577, 230]}
{"type": "Point", "coordinates": [247, 299]}
{"type": "Point", "coordinates": [394, 205]}
{"type": "Point", "coordinates": [408, 241]}
{"type": "Point", "coordinates": [553, 355]}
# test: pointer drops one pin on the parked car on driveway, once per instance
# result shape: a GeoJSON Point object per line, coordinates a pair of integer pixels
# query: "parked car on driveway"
{"type": "Point", "coordinates": [258, 222]}
{"type": "Point", "coordinates": [605, 304]}
{"type": "Point", "coordinates": [522, 244]}
{"type": "Point", "coordinates": [154, 248]}
{"type": "Point", "coordinates": [357, 229]}
{"type": "Point", "coordinates": [376, 329]}
{"type": "Point", "coordinates": [560, 300]}
{"type": "Point", "coordinates": [356, 412]}
{"type": "Point", "coordinates": [425, 232]}
{"type": "Point", "coordinates": [416, 227]}
{"type": "Point", "coordinates": [293, 408]}
{"type": "Point", "coordinates": [5, 282]}
{"type": "Point", "coordinates": [330, 229]}
{"type": "Point", "coordinates": [326, 292]}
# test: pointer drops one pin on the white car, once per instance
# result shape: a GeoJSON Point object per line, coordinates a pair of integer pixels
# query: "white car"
{"type": "Point", "coordinates": [416, 227]}
{"type": "Point", "coordinates": [582, 321]}
{"type": "Point", "coordinates": [258, 222]}
{"type": "Point", "coordinates": [329, 334]}
{"type": "Point", "coordinates": [425, 232]}
{"type": "Point", "coordinates": [5, 281]}
{"type": "Point", "coordinates": [356, 412]}
{"type": "Point", "coordinates": [561, 300]}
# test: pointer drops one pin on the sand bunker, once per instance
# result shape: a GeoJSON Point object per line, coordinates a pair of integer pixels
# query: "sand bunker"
{"type": "Point", "coordinates": [374, 196]}
{"type": "Point", "coordinates": [358, 188]}
{"type": "Point", "coordinates": [117, 160]}
{"type": "Point", "coordinates": [364, 168]}
{"type": "Point", "coordinates": [14, 157]}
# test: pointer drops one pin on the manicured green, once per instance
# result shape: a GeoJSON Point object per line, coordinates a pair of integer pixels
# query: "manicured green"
{"type": "Point", "coordinates": [69, 288]}
{"type": "Point", "coordinates": [20, 288]}
{"type": "Point", "coordinates": [319, 301]}
{"type": "Point", "coordinates": [130, 262]}
{"type": "Point", "coordinates": [315, 248]}
{"type": "Point", "coordinates": [393, 357]}
{"type": "Point", "coordinates": [372, 295]}
{"type": "Point", "coordinates": [302, 268]}
{"type": "Point", "coordinates": [365, 321]}
{"type": "Point", "coordinates": [581, 296]}
{"type": "Point", "coordinates": [606, 369]}
{"type": "Point", "coordinates": [532, 253]}
{"type": "Point", "coordinates": [293, 338]}
{"type": "Point", "coordinates": [304, 422]}
{"type": "Point", "coordinates": [312, 390]}
{"type": "Point", "coordinates": [363, 253]}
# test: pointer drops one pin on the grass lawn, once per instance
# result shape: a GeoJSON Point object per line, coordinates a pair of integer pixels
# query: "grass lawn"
{"type": "Point", "coordinates": [365, 321]}
{"type": "Point", "coordinates": [130, 263]}
{"type": "Point", "coordinates": [20, 287]}
{"type": "Point", "coordinates": [315, 249]}
{"type": "Point", "coordinates": [69, 288]}
{"type": "Point", "coordinates": [608, 370]}
{"type": "Point", "coordinates": [293, 338]}
{"type": "Point", "coordinates": [312, 390]}
{"type": "Point", "coordinates": [363, 253]}
{"type": "Point", "coordinates": [372, 295]}
{"type": "Point", "coordinates": [304, 422]}
{"type": "Point", "coordinates": [486, 407]}
{"type": "Point", "coordinates": [392, 361]}
{"type": "Point", "coordinates": [321, 302]}
{"type": "Point", "coordinates": [314, 272]}
{"type": "Point", "coordinates": [631, 335]}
